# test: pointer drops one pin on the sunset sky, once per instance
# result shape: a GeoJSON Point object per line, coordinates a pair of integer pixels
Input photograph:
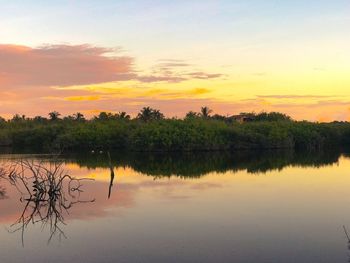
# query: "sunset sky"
{"type": "Point", "coordinates": [234, 56]}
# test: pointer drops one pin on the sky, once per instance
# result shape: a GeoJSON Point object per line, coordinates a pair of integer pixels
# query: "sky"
{"type": "Point", "coordinates": [291, 56]}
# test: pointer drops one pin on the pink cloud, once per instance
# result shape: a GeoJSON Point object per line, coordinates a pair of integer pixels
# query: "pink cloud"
{"type": "Point", "coordinates": [61, 65]}
{"type": "Point", "coordinates": [176, 71]}
{"type": "Point", "coordinates": [161, 78]}
{"type": "Point", "coordinates": [67, 65]}
{"type": "Point", "coordinates": [204, 75]}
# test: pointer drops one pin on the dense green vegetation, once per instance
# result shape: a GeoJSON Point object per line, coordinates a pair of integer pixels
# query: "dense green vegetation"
{"type": "Point", "coordinates": [151, 131]}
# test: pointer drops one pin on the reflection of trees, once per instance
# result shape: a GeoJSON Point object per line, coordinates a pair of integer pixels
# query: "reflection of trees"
{"type": "Point", "coordinates": [47, 192]}
{"type": "Point", "coordinates": [199, 164]}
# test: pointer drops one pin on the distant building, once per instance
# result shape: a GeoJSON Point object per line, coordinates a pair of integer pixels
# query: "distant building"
{"type": "Point", "coordinates": [243, 117]}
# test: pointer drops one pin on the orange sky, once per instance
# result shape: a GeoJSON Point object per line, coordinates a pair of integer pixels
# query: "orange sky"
{"type": "Point", "coordinates": [291, 57]}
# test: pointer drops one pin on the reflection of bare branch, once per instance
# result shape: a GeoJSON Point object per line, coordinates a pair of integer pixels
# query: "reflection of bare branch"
{"type": "Point", "coordinates": [2, 189]}
{"type": "Point", "coordinates": [2, 192]}
{"type": "Point", "coordinates": [346, 233]}
{"type": "Point", "coordinates": [348, 238]}
{"type": "Point", "coordinates": [47, 192]}
{"type": "Point", "coordinates": [112, 175]}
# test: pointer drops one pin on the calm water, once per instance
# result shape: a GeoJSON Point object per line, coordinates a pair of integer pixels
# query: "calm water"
{"type": "Point", "coordinates": [261, 207]}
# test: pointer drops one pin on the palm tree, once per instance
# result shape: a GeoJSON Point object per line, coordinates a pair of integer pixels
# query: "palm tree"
{"type": "Point", "coordinates": [123, 115]}
{"type": "Point", "coordinates": [192, 115]}
{"type": "Point", "coordinates": [205, 112]}
{"type": "Point", "coordinates": [54, 115]}
{"type": "Point", "coordinates": [157, 115]}
{"type": "Point", "coordinates": [78, 116]}
{"type": "Point", "coordinates": [104, 116]}
{"type": "Point", "coordinates": [18, 117]}
{"type": "Point", "coordinates": [39, 119]}
{"type": "Point", "coordinates": [145, 114]}
{"type": "Point", "coordinates": [149, 114]}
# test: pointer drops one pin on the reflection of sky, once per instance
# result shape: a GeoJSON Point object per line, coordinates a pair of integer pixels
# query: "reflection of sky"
{"type": "Point", "coordinates": [295, 215]}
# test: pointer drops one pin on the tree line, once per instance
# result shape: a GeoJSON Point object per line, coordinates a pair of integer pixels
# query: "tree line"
{"type": "Point", "coordinates": [147, 114]}
{"type": "Point", "coordinates": [150, 130]}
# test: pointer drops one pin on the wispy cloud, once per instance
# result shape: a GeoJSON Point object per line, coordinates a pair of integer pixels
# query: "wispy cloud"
{"type": "Point", "coordinates": [104, 93]}
{"type": "Point", "coordinates": [294, 96]}
{"type": "Point", "coordinates": [204, 75]}
{"type": "Point", "coordinates": [161, 78]}
{"type": "Point", "coordinates": [176, 71]}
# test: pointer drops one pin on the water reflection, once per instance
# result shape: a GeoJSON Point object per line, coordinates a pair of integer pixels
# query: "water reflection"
{"type": "Point", "coordinates": [2, 187]}
{"type": "Point", "coordinates": [348, 239]}
{"type": "Point", "coordinates": [111, 168]}
{"type": "Point", "coordinates": [46, 191]}
{"type": "Point", "coordinates": [2, 192]}
{"type": "Point", "coordinates": [203, 207]}
{"type": "Point", "coordinates": [202, 163]}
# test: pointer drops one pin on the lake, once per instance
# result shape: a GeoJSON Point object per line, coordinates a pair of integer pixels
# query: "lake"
{"type": "Point", "coordinates": [203, 207]}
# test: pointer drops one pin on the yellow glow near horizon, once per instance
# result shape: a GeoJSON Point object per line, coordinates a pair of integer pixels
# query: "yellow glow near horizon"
{"type": "Point", "coordinates": [290, 56]}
